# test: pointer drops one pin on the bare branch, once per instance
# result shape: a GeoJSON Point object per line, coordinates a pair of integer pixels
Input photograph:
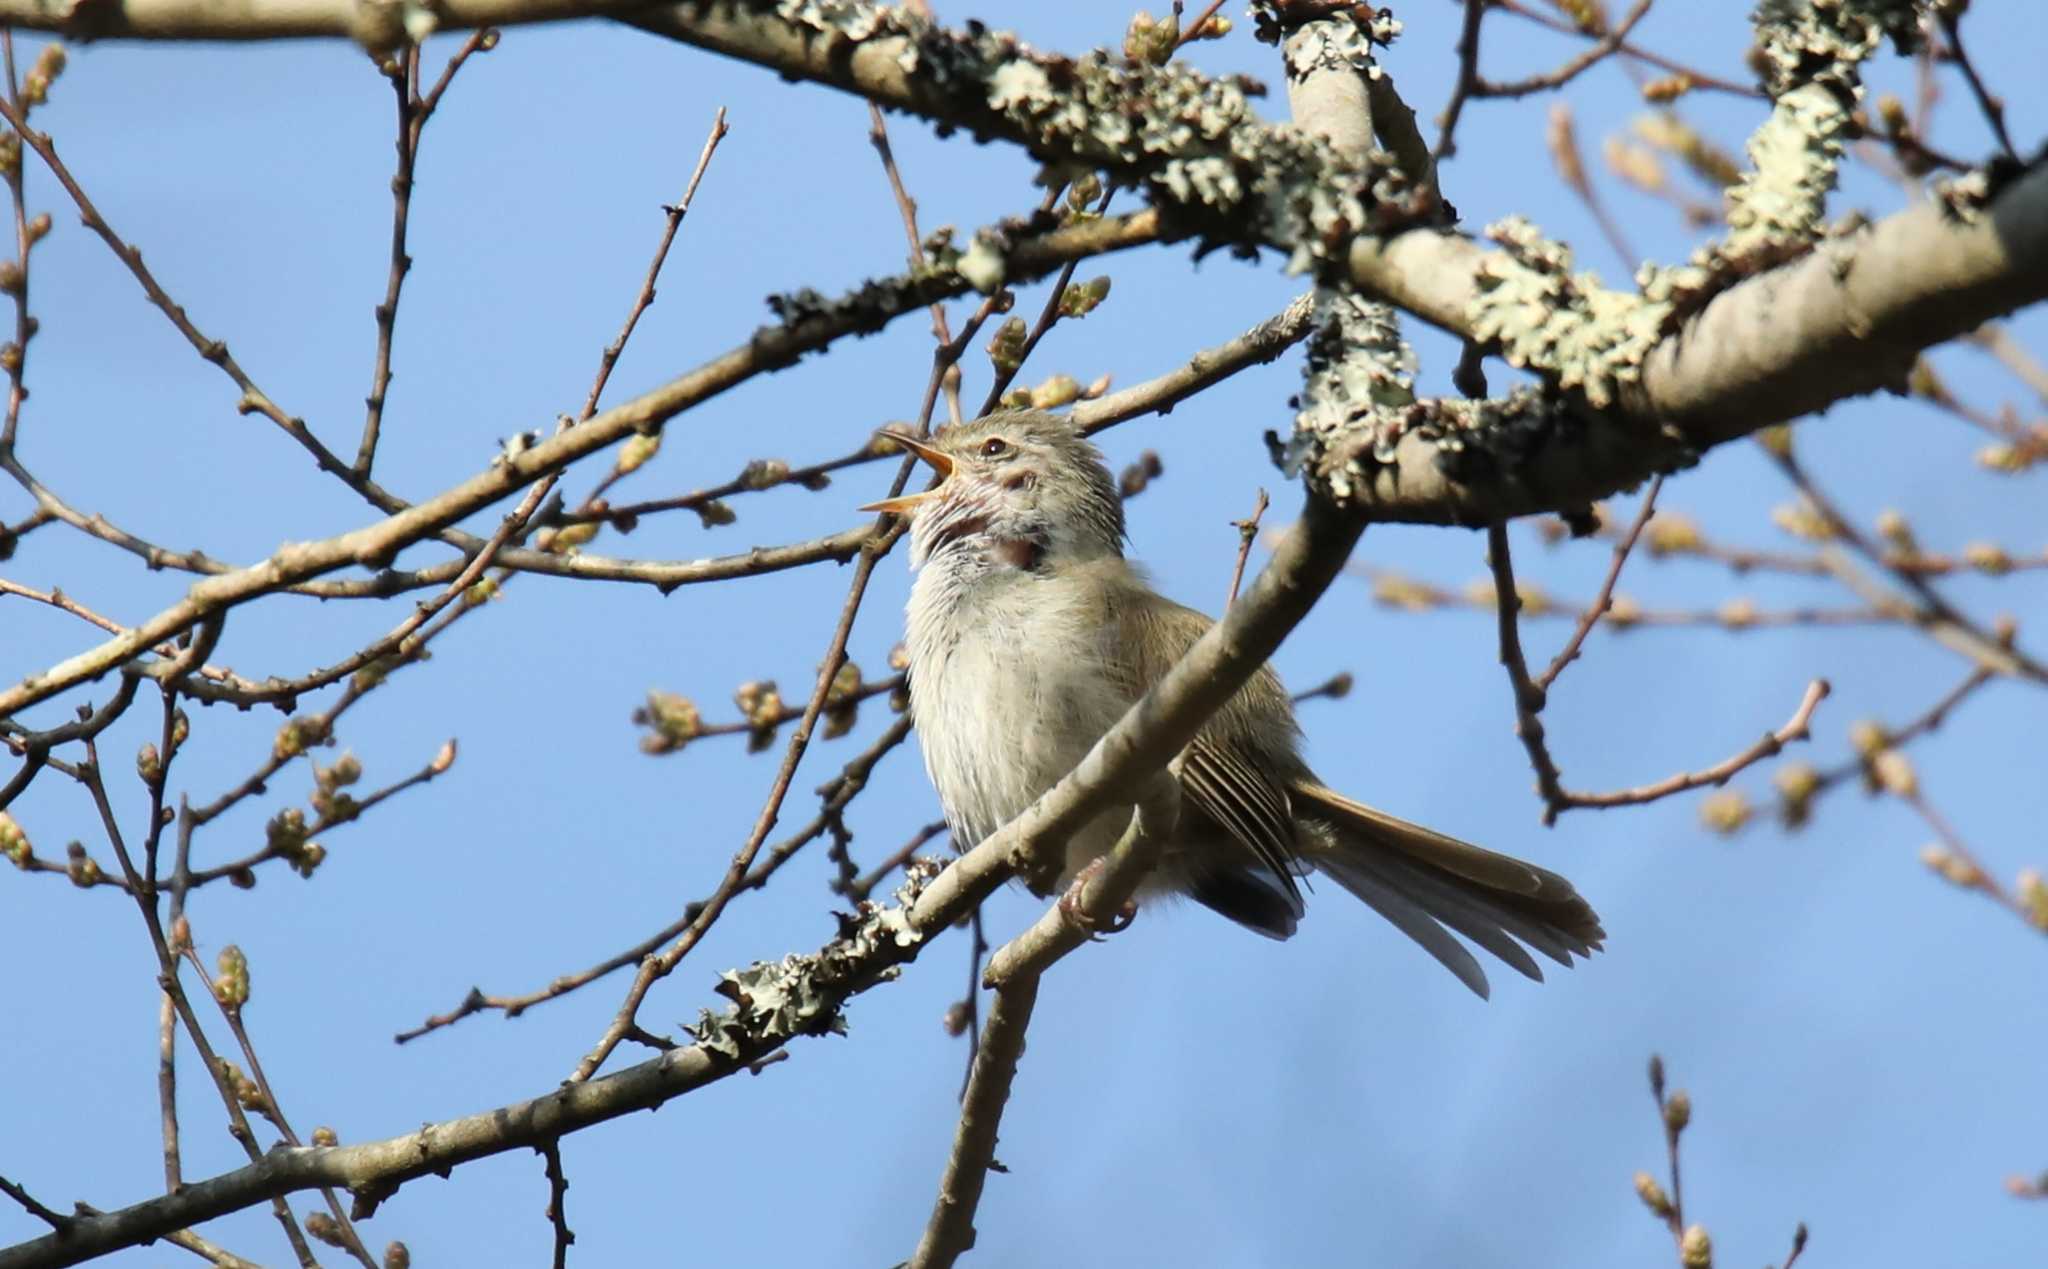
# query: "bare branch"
{"type": "Point", "coordinates": [645, 299]}
{"type": "Point", "coordinates": [1597, 52]}
{"type": "Point", "coordinates": [1247, 533]}
{"type": "Point", "coordinates": [414, 108]}
{"type": "Point", "coordinates": [253, 399]}
{"type": "Point", "coordinates": [1696, 78]}
{"type": "Point", "coordinates": [1842, 322]}
{"type": "Point", "coordinates": [1464, 86]}
{"type": "Point", "coordinates": [558, 1202]}
{"type": "Point", "coordinates": [1951, 18]}
{"type": "Point", "coordinates": [1096, 901]}
{"type": "Point", "coordinates": [1770, 746]}
{"type": "Point", "coordinates": [54, 1220]}
{"type": "Point", "coordinates": [1603, 601]}
{"type": "Point", "coordinates": [1530, 697]}
{"type": "Point", "coordinates": [375, 544]}
{"type": "Point", "coordinates": [1139, 746]}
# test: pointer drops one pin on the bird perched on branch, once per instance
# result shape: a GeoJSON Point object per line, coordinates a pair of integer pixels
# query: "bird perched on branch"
{"type": "Point", "coordinates": [1029, 637]}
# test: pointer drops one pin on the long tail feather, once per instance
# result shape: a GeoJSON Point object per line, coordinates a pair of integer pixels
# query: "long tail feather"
{"type": "Point", "coordinates": [1365, 876]}
{"type": "Point", "coordinates": [1423, 881]}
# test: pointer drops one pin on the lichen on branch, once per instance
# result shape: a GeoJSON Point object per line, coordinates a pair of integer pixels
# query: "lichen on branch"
{"type": "Point", "coordinates": [1192, 142]}
{"type": "Point", "coordinates": [1592, 345]}
{"type": "Point", "coordinates": [775, 1001]}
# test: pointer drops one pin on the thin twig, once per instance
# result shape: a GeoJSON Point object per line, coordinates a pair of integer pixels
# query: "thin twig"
{"type": "Point", "coordinates": [170, 741]}
{"type": "Point", "coordinates": [34, 746]}
{"type": "Point", "coordinates": [273, 1110]}
{"type": "Point", "coordinates": [1461, 91]}
{"type": "Point", "coordinates": [1048, 315]}
{"type": "Point", "coordinates": [1096, 901]}
{"type": "Point", "coordinates": [1563, 140]}
{"type": "Point", "coordinates": [1770, 746]}
{"type": "Point", "coordinates": [1529, 699]}
{"type": "Point", "coordinates": [645, 298]}
{"type": "Point", "coordinates": [1798, 1245]}
{"type": "Point", "coordinates": [1697, 79]}
{"type": "Point", "coordinates": [59, 600]}
{"type": "Point", "coordinates": [413, 112]}
{"type": "Point", "coordinates": [837, 792]}
{"type": "Point", "coordinates": [558, 1202]}
{"type": "Point", "coordinates": [1247, 533]}
{"type": "Point", "coordinates": [346, 811]}
{"type": "Point", "coordinates": [54, 1220]}
{"type": "Point", "coordinates": [1605, 47]}
{"type": "Point", "coordinates": [863, 887]}
{"type": "Point", "coordinates": [970, 1004]}
{"type": "Point", "coordinates": [906, 206]}
{"type": "Point", "coordinates": [253, 399]}
{"type": "Point", "coordinates": [1951, 17]}
{"type": "Point", "coordinates": [144, 892]}
{"type": "Point", "coordinates": [1673, 1126]}
{"type": "Point", "coordinates": [1335, 688]}
{"type": "Point", "coordinates": [1193, 30]}
{"type": "Point", "coordinates": [1603, 601]}
{"type": "Point", "coordinates": [1996, 339]}
{"type": "Point", "coordinates": [1933, 612]}
{"type": "Point", "coordinates": [24, 329]}
{"type": "Point", "coordinates": [1925, 723]}
{"type": "Point", "coordinates": [1961, 865]}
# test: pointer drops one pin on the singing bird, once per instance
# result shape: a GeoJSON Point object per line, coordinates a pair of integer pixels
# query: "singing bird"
{"type": "Point", "coordinates": [1030, 634]}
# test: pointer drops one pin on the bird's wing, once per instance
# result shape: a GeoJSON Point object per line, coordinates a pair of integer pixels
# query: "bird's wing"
{"type": "Point", "coordinates": [1233, 774]}
{"type": "Point", "coordinates": [1247, 805]}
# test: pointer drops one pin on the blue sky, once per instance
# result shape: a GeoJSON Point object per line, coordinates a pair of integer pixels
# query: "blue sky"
{"type": "Point", "coordinates": [1856, 1035]}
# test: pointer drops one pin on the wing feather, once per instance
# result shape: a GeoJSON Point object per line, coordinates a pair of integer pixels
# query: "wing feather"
{"type": "Point", "coordinates": [1252, 809]}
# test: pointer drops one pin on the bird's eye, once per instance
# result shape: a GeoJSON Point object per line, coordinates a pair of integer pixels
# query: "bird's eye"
{"type": "Point", "coordinates": [994, 447]}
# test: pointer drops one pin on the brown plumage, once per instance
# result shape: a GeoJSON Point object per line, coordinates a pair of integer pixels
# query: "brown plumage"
{"type": "Point", "coordinates": [1030, 635]}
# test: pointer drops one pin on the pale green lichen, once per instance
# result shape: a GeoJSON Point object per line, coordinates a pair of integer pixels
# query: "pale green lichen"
{"type": "Point", "coordinates": [1593, 340]}
{"type": "Point", "coordinates": [1806, 41]}
{"type": "Point", "coordinates": [1190, 140]}
{"type": "Point", "coordinates": [1341, 41]}
{"type": "Point", "coordinates": [1794, 157]}
{"type": "Point", "coordinates": [982, 264]}
{"type": "Point", "coordinates": [776, 1001]}
{"type": "Point", "coordinates": [1965, 197]}
{"type": "Point", "coordinates": [1810, 53]}
{"type": "Point", "coordinates": [1469, 442]}
{"type": "Point", "coordinates": [1358, 408]}
{"type": "Point", "coordinates": [853, 19]}
{"type": "Point", "coordinates": [1360, 373]}
{"type": "Point", "coordinates": [1544, 317]}
{"type": "Point", "coordinates": [1273, 23]}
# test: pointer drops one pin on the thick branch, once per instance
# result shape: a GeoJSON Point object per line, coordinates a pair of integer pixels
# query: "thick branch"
{"type": "Point", "coordinates": [1846, 319]}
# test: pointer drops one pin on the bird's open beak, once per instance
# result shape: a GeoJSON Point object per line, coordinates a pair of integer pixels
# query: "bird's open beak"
{"type": "Point", "coordinates": [938, 460]}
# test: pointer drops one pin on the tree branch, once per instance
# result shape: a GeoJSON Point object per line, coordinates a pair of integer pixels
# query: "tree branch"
{"type": "Point", "coordinates": [813, 323]}
{"type": "Point", "coordinates": [1093, 903]}
{"type": "Point", "coordinates": [769, 1014]}
{"type": "Point", "coordinates": [1844, 320]}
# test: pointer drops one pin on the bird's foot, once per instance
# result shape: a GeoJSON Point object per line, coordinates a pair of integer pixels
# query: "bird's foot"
{"type": "Point", "coordinates": [1071, 909]}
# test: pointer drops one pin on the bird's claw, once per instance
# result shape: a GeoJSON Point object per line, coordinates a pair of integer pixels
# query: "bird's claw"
{"type": "Point", "coordinates": [1070, 907]}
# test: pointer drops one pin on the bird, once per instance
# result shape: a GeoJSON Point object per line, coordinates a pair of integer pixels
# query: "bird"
{"type": "Point", "coordinates": [1029, 634]}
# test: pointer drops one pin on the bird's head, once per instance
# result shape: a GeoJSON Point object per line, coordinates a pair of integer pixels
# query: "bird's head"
{"type": "Point", "coordinates": [1021, 488]}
